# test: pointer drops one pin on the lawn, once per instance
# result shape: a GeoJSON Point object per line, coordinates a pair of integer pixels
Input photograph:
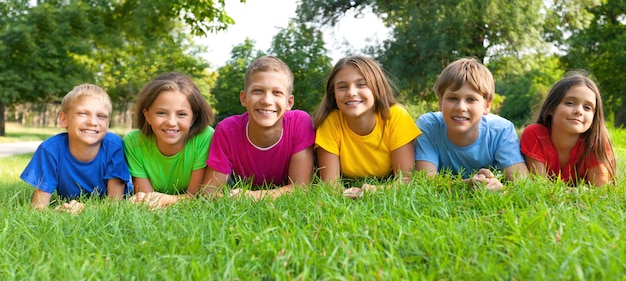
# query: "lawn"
{"type": "Point", "coordinates": [431, 229]}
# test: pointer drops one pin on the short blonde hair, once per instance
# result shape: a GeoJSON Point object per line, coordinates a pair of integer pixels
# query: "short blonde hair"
{"type": "Point", "coordinates": [265, 64]}
{"type": "Point", "coordinates": [85, 91]}
{"type": "Point", "coordinates": [466, 71]}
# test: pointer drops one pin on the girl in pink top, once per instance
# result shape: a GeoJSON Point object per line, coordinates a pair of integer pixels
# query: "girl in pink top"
{"type": "Point", "coordinates": [570, 140]}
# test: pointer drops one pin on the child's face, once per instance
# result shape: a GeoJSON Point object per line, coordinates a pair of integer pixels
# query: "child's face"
{"type": "Point", "coordinates": [267, 98]}
{"type": "Point", "coordinates": [170, 116]}
{"type": "Point", "coordinates": [575, 112]}
{"type": "Point", "coordinates": [462, 111]}
{"type": "Point", "coordinates": [87, 121]}
{"type": "Point", "coordinates": [354, 98]}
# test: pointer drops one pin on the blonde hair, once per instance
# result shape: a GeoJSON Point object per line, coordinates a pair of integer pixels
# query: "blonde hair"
{"type": "Point", "coordinates": [85, 91]}
{"type": "Point", "coordinates": [265, 64]}
{"type": "Point", "coordinates": [466, 71]}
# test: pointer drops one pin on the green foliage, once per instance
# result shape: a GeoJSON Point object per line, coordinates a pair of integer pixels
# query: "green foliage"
{"type": "Point", "coordinates": [302, 48]}
{"type": "Point", "coordinates": [231, 78]}
{"type": "Point", "coordinates": [600, 49]}
{"type": "Point", "coordinates": [524, 83]}
{"type": "Point", "coordinates": [431, 229]}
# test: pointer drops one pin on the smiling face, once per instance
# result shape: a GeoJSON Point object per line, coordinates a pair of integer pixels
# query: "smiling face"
{"type": "Point", "coordinates": [574, 114]}
{"type": "Point", "coordinates": [170, 116]}
{"type": "Point", "coordinates": [462, 111]}
{"type": "Point", "coordinates": [86, 121]}
{"type": "Point", "coordinates": [266, 99]}
{"type": "Point", "coordinates": [352, 94]}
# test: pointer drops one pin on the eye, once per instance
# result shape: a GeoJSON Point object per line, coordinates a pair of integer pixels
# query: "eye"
{"type": "Point", "coordinates": [361, 85]}
{"type": "Point", "coordinates": [81, 113]}
{"type": "Point", "coordinates": [451, 98]}
{"type": "Point", "coordinates": [103, 116]}
{"type": "Point", "coordinates": [568, 102]}
{"type": "Point", "coordinates": [160, 113]}
{"type": "Point", "coordinates": [588, 108]}
{"type": "Point", "coordinates": [472, 100]}
{"type": "Point", "coordinates": [182, 114]}
{"type": "Point", "coordinates": [257, 91]}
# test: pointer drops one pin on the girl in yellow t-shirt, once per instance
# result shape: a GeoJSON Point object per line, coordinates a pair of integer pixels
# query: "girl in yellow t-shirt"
{"type": "Point", "coordinates": [361, 131]}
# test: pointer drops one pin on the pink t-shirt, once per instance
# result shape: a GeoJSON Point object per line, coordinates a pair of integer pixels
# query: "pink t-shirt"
{"type": "Point", "coordinates": [536, 143]}
{"type": "Point", "coordinates": [232, 153]}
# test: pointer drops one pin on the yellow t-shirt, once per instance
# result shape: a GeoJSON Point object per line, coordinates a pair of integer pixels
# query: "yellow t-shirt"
{"type": "Point", "coordinates": [369, 155]}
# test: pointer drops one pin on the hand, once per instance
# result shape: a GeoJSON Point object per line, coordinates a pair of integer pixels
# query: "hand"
{"type": "Point", "coordinates": [154, 199]}
{"type": "Point", "coordinates": [73, 207]}
{"type": "Point", "coordinates": [485, 178]}
{"type": "Point", "coordinates": [353, 192]}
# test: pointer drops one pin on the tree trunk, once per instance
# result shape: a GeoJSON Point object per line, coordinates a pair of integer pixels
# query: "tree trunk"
{"type": "Point", "coordinates": [2, 130]}
{"type": "Point", "coordinates": [620, 116]}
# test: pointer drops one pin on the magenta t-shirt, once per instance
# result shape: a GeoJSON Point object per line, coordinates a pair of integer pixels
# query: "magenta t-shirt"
{"type": "Point", "coordinates": [231, 152]}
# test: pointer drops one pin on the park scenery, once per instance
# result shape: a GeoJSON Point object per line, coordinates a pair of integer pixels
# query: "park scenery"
{"type": "Point", "coordinates": [428, 228]}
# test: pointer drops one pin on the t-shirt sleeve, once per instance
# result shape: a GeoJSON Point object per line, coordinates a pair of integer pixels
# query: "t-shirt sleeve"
{"type": "Point", "coordinates": [530, 144]}
{"type": "Point", "coordinates": [132, 152]}
{"type": "Point", "coordinates": [41, 171]}
{"type": "Point", "coordinates": [402, 128]}
{"type": "Point", "coordinates": [328, 134]}
{"type": "Point", "coordinates": [425, 145]}
{"type": "Point", "coordinates": [508, 146]}
{"type": "Point", "coordinates": [219, 157]}
{"type": "Point", "coordinates": [202, 143]}
{"type": "Point", "coordinates": [302, 126]}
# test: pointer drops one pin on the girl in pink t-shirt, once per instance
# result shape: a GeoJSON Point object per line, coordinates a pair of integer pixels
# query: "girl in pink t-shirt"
{"type": "Point", "coordinates": [570, 139]}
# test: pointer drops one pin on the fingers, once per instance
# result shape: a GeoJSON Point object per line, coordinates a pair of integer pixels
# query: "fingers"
{"type": "Point", "coordinates": [73, 207]}
{"type": "Point", "coordinates": [353, 193]}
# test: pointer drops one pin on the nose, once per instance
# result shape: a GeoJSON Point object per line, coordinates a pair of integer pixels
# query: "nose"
{"type": "Point", "coordinates": [171, 119]}
{"type": "Point", "coordinates": [461, 105]}
{"type": "Point", "coordinates": [578, 110]}
{"type": "Point", "coordinates": [351, 91]}
{"type": "Point", "coordinates": [267, 98]}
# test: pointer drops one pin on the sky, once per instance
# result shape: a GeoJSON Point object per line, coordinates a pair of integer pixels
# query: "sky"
{"type": "Point", "coordinates": [260, 20]}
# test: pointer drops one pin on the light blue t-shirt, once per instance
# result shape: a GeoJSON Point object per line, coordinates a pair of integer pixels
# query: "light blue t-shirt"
{"type": "Point", "coordinates": [497, 145]}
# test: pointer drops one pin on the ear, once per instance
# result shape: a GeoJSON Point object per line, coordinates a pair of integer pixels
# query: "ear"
{"type": "Point", "coordinates": [487, 107]}
{"type": "Point", "coordinates": [145, 116]}
{"type": "Point", "coordinates": [242, 98]}
{"type": "Point", "coordinates": [62, 120]}
{"type": "Point", "coordinates": [290, 102]}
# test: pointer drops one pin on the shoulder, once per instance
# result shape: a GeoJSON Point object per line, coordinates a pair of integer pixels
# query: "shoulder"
{"type": "Point", "coordinates": [297, 116]}
{"type": "Point", "coordinates": [235, 121]}
{"type": "Point", "coordinates": [133, 135]}
{"type": "Point", "coordinates": [57, 143]}
{"type": "Point", "coordinates": [535, 130]}
{"type": "Point", "coordinates": [497, 123]}
{"type": "Point", "coordinates": [430, 119]}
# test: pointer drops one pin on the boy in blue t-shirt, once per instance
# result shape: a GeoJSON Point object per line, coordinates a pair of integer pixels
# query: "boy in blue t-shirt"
{"type": "Point", "coordinates": [464, 137]}
{"type": "Point", "coordinates": [84, 161]}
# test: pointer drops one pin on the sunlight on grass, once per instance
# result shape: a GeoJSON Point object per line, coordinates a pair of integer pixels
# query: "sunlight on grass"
{"type": "Point", "coordinates": [17, 133]}
{"type": "Point", "coordinates": [432, 229]}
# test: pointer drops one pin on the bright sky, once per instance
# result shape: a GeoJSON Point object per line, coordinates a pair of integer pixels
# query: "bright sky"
{"type": "Point", "coordinates": [260, 20]}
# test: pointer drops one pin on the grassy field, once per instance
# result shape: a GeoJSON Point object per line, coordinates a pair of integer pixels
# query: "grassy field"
{"type": "Point", "coordinates": [432, 229]}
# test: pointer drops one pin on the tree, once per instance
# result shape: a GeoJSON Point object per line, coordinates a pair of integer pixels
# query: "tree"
{"type": "Point", "coordinates": [427, 35]}
{"type": "Point", "coordinates": [53, 45]}
{"type": "Point", "coordinates": [231, 78]}
{"type": "Point", "coordinates": [302, 48]}
{"type": "Point", "coordinates": [600, 49]}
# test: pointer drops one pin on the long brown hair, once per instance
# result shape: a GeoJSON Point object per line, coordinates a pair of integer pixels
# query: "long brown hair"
{"type": "Point", "coordinates": [597, 141]}
{"type": "Point", "coordinates": [376, 79]}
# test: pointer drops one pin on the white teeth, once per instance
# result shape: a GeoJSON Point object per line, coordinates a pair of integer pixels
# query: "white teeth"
{"type": "Point", "coordinates": [170, 131]}
{"type": "Point", "coordinates": [353, 102]}
{"type": "Point", "coordinates": [89, 131]}
{"type": "Point", "coordinates": [460, 118]}
{"type": "Point", "coordinates": [266, 111]}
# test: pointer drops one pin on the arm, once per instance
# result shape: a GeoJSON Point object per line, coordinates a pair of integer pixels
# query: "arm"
{"type": "Point", "coordinates": [329, 166]}
{"type": "Point", "coordinates": [517, 170]}
{"type": "Point", "coordinates": [536, 167]}
{"type": "Point", "coordinates": [115, 188]}
{"type": "Point", "coordinates": [212, 182]}
{"type": "Point", "coordinates": [429, 168]}
{"type": "Point", "coordinates": [300, 173]}
{"type": "Point", "coordinates": [598, 175]}
{"type": "Point", "coordinates": [41, 199]}
{"type": "Point", "coordinates": [402, 159]}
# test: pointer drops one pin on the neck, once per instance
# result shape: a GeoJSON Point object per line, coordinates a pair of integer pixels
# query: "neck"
{"type": "Point", "coordinates": [362, 125]}
{"type": "Point", "coordinates": [84, 153]}
{"type": "Point", "coordinates": [263, 137]}
{"type": "Point", "coordinates": [563, 141]}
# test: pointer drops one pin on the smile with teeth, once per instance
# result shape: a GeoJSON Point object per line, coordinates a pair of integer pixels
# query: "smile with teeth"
{"type": "Point", "coordinates": [89, 131]}
{"type": "Point", "coordinates": [170, 131]}
{"type": "Point", "coordinates": [264, 111]}
{"type": "Point", "coordinates": [353, 102]}
{"type": "Point", "coordinates": [460, 118]}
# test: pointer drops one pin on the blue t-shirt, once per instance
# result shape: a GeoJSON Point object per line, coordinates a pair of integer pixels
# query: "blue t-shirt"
{"type": "Point", "coordinates": [497, 145]}
{"type": "Point", "coordinates": [53, 168]}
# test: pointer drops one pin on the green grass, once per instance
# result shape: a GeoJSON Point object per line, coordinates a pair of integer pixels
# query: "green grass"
{"type": "Point", "coordinates": [433, 229]}
{"type": "Point", "coordinates": [17, 133]}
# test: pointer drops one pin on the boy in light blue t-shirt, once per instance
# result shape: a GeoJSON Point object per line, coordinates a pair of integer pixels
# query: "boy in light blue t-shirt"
{"type": "Point", "coordinates": [464, 137]}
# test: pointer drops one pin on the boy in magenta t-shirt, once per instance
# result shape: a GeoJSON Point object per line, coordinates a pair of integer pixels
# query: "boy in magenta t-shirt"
{"type": "Point", "coordinates": [269, 144]}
